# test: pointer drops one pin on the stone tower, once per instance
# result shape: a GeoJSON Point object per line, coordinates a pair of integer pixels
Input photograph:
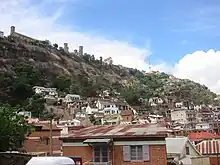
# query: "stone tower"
{"type": "Point", "coordinates": [12, 30]}
{"type": "Point", "coordinates": [66, 49]}
{"type": "Point", "coordinates": [80, 50]}
{"type": "Point", "coordinates": [1, 34]}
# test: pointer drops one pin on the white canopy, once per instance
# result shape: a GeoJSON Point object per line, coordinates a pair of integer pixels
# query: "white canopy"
{"type": "Point", "coordinates": [51, 161]}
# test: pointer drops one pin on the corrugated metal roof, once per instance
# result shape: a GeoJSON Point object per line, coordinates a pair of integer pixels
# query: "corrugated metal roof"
{"type": "Point", "coordinates": [208, 147]}
{"type": "Point", "coordinates": [119, 130]}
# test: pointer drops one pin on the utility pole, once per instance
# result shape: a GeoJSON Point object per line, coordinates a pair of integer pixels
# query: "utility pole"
{"type": "Point", "coordinates": [51, 138]}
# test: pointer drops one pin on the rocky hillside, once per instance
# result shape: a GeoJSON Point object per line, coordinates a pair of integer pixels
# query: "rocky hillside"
{"type": "Point", "coordinates": [23, 65]}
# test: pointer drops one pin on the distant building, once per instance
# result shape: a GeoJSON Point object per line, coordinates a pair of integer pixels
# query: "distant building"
{"type": "Point", "coordinates": [66, 48]}
{"type": "Point", "coordinates": [179, 115]}
{"type": "Point", "coordinates": [127, 115]}
{"type": "Point", "coordinates": [111, 110]}
{"type": "Point", "coordinates": [13, 33]}
{"type": "Point", "coordinates": [25, 114]}
{"type": "Point", "coordinates": [80, 50]}
{"type": "Point", "coordinates": [71, 98]}
{"type": "Point", "coordinates": [155, 101]}
{"type": "Point", "coordinates": [111, 119]}
{"type": "Point", "coordinates": [203, 126]}
{"type": "Point", "coordinates": [45, 91]}
{"type": "Point", "coordinates": [90, 110]}
{"type": "Point", "coordinates": [1, 34]}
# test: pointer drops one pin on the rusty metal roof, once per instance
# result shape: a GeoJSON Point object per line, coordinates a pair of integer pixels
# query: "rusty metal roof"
{"type": "Point", "coordinates": [117, 131]}
{"type": "Point", "coordinates": [208, 147]}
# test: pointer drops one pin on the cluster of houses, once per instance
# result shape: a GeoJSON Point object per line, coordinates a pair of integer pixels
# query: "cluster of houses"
{"type": "Point", "coordinates": [118, 144]}
{"type": "Point", "coordinates": [183, 135]}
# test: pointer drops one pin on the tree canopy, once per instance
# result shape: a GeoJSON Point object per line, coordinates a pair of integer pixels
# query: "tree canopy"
{"type": "Point", "coordinates": [13, 128]}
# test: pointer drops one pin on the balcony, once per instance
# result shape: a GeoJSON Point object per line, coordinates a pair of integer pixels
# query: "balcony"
{"type": "Point", "coordinates": [100, 163]}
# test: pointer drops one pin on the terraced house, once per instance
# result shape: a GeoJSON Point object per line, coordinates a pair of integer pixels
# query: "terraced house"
{"type": "Point", "coordinates": [118, 145]}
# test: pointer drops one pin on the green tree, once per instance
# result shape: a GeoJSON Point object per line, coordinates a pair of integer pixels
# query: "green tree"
{"type": "Point", "coordinates": [92, 119]}
{"type": "Point", "coordinates": [13, 129]}
{"type": "Point", "coordinates": [62, 83]}
{"type": "Point", "coordinates": [36, 106]}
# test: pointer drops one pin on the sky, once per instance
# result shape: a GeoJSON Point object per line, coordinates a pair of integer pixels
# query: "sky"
{"type": "Point", "coordinates": [173, 36]}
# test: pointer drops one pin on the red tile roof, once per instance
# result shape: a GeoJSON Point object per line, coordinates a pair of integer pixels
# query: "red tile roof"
{"type": "Point", "coordinates": [194, 136]}
{"type": "Point", "coordinates": [208, 147]}
{"type": "Point", "coordinates": [122, 131]}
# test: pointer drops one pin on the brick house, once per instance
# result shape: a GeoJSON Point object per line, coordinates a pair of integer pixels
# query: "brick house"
{"type": "Point", "coordinates": [127, 115]}
{"type": "Point", "coordinates": [39, 140]}
{"type": "Point", "coordinates": [118, 145]}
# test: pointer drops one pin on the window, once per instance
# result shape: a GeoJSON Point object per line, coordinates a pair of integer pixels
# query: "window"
{"type": "Point", "coordinates": [100, 154]}
{"type": "Point", "coordinates": [187, 151]}
{"type": "Point", "coordinates": [136, 153]}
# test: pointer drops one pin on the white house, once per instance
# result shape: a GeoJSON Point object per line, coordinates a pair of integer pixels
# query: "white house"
{"type": "Point", "coordinates": [155, 118]}
{"type": "Point", "coordinates": [80, 115]}
{"type": "Point", "coordinates": [202, 126]}
{"type": "Point", "coordinates": [179, 115]}
{"type": "Point", "coordinates": [101, 104]}
{"type": "Point", "coordinates": [71, 97]}
{"type": "Point", "coordinates": [181, 150]}
{"type": "Point", "coordinates": [179, 104]}
{"type": "Point", "coordinates": [111, 111]}
{"type": "Point", "coordinates": [90, 110]}
{"type": "Point", "coordinates": [25, 114]}
{"type": "Point", "coordinates": [45, 91]}
{"type": "Point", "coordinates": [65, 124]}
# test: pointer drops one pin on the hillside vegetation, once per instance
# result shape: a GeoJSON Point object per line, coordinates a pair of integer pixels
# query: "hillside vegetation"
{"type": "Point", "coordinates": [23, 66]}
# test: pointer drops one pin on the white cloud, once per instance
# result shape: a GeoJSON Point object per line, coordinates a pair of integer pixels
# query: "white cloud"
{"type": "Point", "coordinates": [28, 19]}
{"type": "Point", "coordinates": [202, 67]}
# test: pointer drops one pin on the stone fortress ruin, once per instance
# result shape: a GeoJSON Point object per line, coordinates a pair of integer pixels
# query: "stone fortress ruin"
{"type": "Point", "coordinates": [29, 40]}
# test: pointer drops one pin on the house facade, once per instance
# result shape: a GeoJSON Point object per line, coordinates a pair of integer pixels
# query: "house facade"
{"type": "Point", "coordinates": [179, 115]}
{"type": "Point", "coordinates": [118, 145]}
{"type": "Point", "coordinates": [181, 150]}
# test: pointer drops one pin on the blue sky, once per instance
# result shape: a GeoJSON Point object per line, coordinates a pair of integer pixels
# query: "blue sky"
{"type": "Point", "coordinates": [181, 37]}
{"type": "Point", "coordinates": [173, 28]}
